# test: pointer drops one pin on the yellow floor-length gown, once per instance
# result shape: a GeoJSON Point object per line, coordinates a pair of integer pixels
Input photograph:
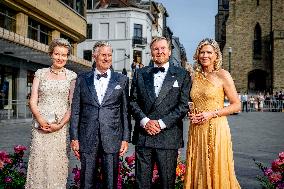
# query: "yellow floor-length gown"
{"type": "Point", "coordinates": [210, 163]}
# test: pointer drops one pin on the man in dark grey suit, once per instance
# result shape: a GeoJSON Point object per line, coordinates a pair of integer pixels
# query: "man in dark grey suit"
{"type": "Point", "coordinates": [159, 102]}
{"type": "Point", "coordinates": [99, 125]}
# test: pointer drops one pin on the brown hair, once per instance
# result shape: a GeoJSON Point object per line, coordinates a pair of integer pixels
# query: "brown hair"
{"type": "Point", "coordinates": [160, 39]}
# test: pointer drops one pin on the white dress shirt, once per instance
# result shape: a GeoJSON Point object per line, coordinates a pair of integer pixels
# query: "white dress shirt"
{"type": "Point", "coordinates": [101, 84]}
{"type": "Point", "coordinates": [158, 82]}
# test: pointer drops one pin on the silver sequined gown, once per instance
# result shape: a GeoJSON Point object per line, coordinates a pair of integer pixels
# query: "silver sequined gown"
{"type": "Point", "coordinates": [48, 160]}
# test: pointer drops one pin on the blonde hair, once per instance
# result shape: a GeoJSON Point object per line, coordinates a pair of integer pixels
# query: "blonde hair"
{"type": "Point", "coordinates": [214, 44]}
{"type": "Point", "coordinates": [61, 42]}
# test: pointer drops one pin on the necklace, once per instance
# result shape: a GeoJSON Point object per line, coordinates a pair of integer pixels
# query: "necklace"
{"type": "Point", "coordinates": [56, 72]}
{"type": "Point", "coordinates": [207, 73]}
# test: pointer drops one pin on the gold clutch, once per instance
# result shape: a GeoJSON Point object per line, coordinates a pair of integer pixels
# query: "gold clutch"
{"type": "Point", "coordinates": [191, 108]}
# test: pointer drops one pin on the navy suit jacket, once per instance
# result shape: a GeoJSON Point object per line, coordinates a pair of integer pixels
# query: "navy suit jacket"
{"type": "Point", "coordinates": [107, 122]}
{"type": "Point", "coordinates": [171, 106]}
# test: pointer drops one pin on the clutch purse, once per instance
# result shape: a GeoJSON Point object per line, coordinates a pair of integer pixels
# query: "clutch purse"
{"type": "Point", "coordinates": [52, 118]}
{"type": "Point", "coordinates": [191, 108]}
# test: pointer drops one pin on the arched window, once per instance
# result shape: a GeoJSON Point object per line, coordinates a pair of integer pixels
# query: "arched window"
{"type": "Point", "coordinates": [257, 41]}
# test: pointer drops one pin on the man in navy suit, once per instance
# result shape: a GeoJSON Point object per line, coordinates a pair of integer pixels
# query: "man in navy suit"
{"type": "Point", "coordinates": [99, 125]}
{"type": "Point", "coordinates": [159, 102]}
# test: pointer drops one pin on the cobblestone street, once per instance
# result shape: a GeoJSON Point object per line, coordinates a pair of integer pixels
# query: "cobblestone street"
{"type": "Point", "coordinates": [254, 134]}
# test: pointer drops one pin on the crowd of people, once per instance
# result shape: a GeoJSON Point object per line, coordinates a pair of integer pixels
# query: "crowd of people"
{"type": "Point", "coordinates": [98, 105]}
{"type": "Point", "coordinates": [260, 102]}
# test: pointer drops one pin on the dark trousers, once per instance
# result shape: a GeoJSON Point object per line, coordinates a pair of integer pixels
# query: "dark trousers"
{"type": "Point", "coordinates": [245, 105]}
{"type": "Point", "coordinates": [166, 161]}
{"type": "Point", "coordinates": [89, 167]}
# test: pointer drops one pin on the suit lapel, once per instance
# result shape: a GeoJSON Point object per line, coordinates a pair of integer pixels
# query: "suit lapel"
{"type": "Point", "coordinates": [111, 85]}
{"type": "Point", "coordinates": [167, 85]}
{"type": "Point", "coordinates": [148, 78]}
{"type": "Point", "coordinates": [91, 86]}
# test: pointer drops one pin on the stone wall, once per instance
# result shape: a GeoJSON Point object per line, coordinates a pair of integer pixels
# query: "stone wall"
{"type": "Point", "coordinates": [240, 27]}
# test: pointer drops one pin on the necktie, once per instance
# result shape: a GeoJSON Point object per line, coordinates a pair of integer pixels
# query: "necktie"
{"type": "Point", "coordinates": [158, 69]}
{"type": "Point", "coordinates": [101, 75]}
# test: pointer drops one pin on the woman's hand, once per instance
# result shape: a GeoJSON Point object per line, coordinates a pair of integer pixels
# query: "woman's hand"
{"type": "Point", "coordinates": [44, 126]}
{"type": "Point", "coordinates": [193, 118]}
{"type": "Point", "coordinates": [203, 117]}
{"type": "Point", "coordinates": [54, 127]}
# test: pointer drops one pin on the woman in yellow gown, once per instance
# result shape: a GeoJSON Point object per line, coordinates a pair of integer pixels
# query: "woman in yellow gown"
{"type": "Point", "coordinates": [210, 163]}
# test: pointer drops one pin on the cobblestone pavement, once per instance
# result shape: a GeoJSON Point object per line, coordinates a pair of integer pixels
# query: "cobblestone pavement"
{"type": "Point", "coordinates": [254, 134]}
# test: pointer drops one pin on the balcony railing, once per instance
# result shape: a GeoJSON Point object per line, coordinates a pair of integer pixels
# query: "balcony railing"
{"type": "Point", "coordinates": [139, 41]}
{"type": "Point", "coordinates": [21, 40]}
{"type": "Point", "coordinates": [16, 109]}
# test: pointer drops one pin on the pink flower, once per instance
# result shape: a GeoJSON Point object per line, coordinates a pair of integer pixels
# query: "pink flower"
{"type": "Point", "coordinates": [19, 149]}
{"type": "Point", "coordinates": [276, 164]}
{"type": "Point", "coordinates": [281, 155]}
{"type": "Point", "coordinates": [3, 155]}
{"type": "Point", "coordinates": [180, 170]}
{"type": "Point", "coordinates": [76, 171]}
{"type": "Point", "coordinates": [155, 173]}
{"type": "Point", "coordinates": [5, 158]}
{"type": "Point", "coordinates": [268, 171]}
{"type": "Point", "coordinates": [8, 180]}
{"type": "Point", "coordinates": [155, 176]}
{"type": "Point", "coordinates": [119, 182]}
{"type": "Point", "coordinates": [275, 177]}
{"type": "Point", "coordinates": [280, 186]}
{"type": "Point", "coordinates": [130, 159]}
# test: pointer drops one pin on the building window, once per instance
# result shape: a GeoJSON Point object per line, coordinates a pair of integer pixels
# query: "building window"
{"type": "Point", "coordinates": [89, 31]}
{"type": "Point", "coordinates": [90, 4]}
{"type": "Point", "coordinates": [104, 31]}
{"type": "Point", "coordinates": [39, 32]}
{"type": "Point", "coordinates": [137, 30]}
{"type": "Point", "coordinates": [257, 42]}
{"type": "Point", "coordinates": [257, 2]}
{"type": "Point", "coordinates": [137, 37]}
{"type": "Point", "coordinates": [87, 55]}
{"type": "Point", "coordinates": [120, 30]}
{"type": "Point", "coordinates": [77, 5]}
{"type": "Point", "coordinates": [7, 18]}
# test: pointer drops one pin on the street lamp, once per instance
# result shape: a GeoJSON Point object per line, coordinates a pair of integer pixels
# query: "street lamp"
{"type": "Point", "coordinates": [230, 54]}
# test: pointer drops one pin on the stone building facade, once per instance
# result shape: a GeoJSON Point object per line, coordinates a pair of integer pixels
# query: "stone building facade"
{"type": "Point", "coordinates": [26, 29]}
{"type": "Point", "coordinates": [253, 45]}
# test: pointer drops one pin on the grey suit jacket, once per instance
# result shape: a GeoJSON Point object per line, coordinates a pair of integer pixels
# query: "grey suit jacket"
{"type": "Point", "coordinates": [91, 121]}
{"type": "Point", "coordinates": [171, 106]}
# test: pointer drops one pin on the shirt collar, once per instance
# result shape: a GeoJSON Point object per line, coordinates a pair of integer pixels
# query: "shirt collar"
{"type": "Point", "coordinates": [166, 66]}
{"type": "Point", "coordinates": [98, 72]}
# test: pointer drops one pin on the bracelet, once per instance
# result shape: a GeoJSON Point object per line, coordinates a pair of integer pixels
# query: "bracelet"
{"type": "Point", "coordinates": [215, 114]}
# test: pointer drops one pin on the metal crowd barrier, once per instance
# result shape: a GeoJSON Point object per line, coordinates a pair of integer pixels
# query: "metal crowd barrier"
{"type": "Point", "coordinates": [268, 106]}
{"type": "Point", "coordinates": [15, 109]}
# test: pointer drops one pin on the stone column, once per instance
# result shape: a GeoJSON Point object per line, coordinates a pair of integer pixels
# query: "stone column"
{"type": "Point", "coordinates": [22, 24]}
{"type": "Point", "coordinates": [74, 50]}
{"type": "Point", "coordinates": [55, 34]}
{"type": "Point", "coordinates": [21, 80]}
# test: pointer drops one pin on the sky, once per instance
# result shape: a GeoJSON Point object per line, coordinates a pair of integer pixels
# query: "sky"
{"type": "Point", "coordinates": [191, 21]}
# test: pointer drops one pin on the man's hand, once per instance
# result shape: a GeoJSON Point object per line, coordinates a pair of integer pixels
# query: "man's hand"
{"type": "Point", "coordinates": [75, 148]}
{"type": "Point", "coordinates": [123, 148]}
{"type": "Point", "coordinates": [152, 127]}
